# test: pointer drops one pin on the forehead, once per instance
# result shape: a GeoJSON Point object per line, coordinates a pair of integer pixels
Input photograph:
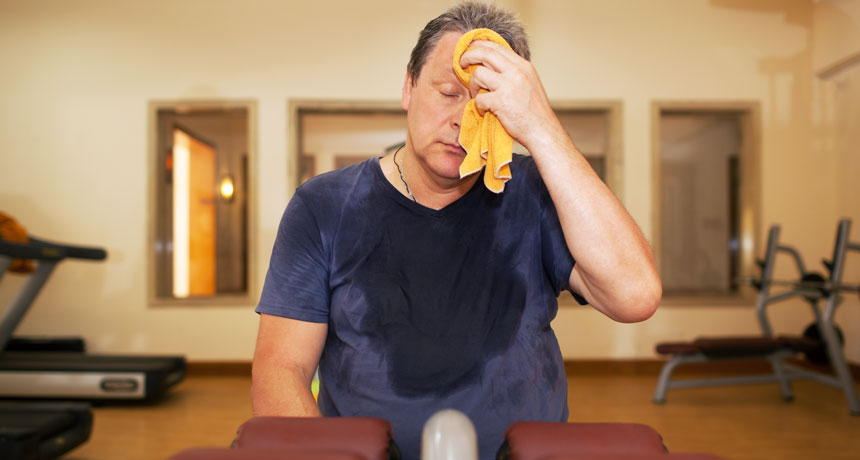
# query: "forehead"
{"type": "Point", "coordinates": [441, 58]}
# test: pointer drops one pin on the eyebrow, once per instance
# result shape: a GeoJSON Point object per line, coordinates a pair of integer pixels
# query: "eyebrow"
{"type": "Point", "coordinates": [446, 79]}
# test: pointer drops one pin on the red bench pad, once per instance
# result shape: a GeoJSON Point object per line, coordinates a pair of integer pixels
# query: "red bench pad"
{"type": "Point", "coordinates": [206, 453]}
{"type": "Point", "coordinates": [535, 440]}
{"type": "Point", "coordinates": [370, 437]}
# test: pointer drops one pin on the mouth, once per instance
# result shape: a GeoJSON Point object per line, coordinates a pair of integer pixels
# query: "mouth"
{"type": "Point", "coordinates": [455, 148]}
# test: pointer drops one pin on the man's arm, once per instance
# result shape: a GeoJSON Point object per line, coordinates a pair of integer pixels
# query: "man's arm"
{"type": "Point", "coordinates": [285, 360]}
{"type": "Point", "coordinates": [615, 269]}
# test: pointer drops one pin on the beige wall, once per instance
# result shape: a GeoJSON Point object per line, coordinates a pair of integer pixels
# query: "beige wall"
{"type": "Point", "coordinates": [73, 131]}
{"type": "Point", "coordinates": [836, 40]}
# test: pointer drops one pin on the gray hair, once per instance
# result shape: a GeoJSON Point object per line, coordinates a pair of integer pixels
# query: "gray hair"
{"type": "Point", "coordinates": [463, 18]}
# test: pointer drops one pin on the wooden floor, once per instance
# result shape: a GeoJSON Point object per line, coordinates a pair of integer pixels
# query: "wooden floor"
{"type": "Point", "coordinates": [749, 422]}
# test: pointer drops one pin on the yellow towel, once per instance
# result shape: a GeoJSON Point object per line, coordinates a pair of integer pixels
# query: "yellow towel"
{"type": "Point", "coordinates": [485, 140]}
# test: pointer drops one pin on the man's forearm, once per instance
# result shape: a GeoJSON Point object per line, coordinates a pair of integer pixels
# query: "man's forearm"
{"type": "Point", "coordinates": [277, 391]}
{"type": "Point", "coordinates": [615, 266]}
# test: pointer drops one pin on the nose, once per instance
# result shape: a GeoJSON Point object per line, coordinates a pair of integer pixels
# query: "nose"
{"type": "Point", "coordinates": [457, 114]}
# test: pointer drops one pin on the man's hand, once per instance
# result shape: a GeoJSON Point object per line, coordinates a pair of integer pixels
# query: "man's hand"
{"type": "Point", "coordinates": [513, 93]}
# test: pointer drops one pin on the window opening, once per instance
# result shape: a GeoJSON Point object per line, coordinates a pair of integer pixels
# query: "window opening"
{"type": "Point", "coordinates": [700, 202]}
{"type": "Point", "coordinates": [200, 246]}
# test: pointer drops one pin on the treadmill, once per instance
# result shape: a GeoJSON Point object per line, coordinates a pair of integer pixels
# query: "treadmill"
{"type": "Point", "coordinates": [42, 430]}
{"type": "Point", "coordinates": [63, 370]}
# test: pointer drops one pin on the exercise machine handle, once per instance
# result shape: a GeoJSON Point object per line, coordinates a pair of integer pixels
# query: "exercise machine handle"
{"type": "Point", "coordinates": [38, 249]}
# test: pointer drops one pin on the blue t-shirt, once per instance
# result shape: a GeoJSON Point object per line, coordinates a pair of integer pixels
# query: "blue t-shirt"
{"type": "Point", "coordinates": [427, 309]}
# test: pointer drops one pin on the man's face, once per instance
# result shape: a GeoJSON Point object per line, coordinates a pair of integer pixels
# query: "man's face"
{"type": "Point", "coordinates": [434, 105]}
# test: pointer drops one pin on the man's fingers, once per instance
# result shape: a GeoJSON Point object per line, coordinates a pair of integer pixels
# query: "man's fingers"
{"type": "Point", "coordinates": [483, 78]}
{"type": "Point", "coordinates": [488, 54]}
{"type": "Point", "coordinates": [484, 102]}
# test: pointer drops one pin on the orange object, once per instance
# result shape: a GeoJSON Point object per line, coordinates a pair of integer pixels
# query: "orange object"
{"type": "Point", "coordinates": [485, 140]}
{"type": "Point", "coordinates": [13, 232]}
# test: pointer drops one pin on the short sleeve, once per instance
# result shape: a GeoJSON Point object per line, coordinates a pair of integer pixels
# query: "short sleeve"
{"type": "Point", "coordinates": [557, 260]}
{"type": "Point", "coordinates": [296, 284]}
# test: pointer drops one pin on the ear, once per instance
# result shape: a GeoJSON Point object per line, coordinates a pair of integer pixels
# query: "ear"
{"type": "Point", "coordinates": [406, 95]}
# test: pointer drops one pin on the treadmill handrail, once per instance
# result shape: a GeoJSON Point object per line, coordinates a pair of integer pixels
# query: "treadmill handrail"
{"type": "Point", "coordinates": [39, 249]}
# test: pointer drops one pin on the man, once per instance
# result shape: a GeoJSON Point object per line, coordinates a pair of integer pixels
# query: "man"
{"type": "Point", "coordinates": [416, 290]}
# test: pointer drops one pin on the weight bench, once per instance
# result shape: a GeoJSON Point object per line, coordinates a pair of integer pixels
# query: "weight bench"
{"type": "Point", "coordinates": [547, 440]}
{"type": "Point", "coordinates": [365, 438]}
{"type": "Point", "coordinates": [536, 440]}
{"type": "Point", "coordinates": [820, 342]}
{"type": "Point", "coordinates": [325, 438]}
{"type": "Point", "coordinates": [636, 456]}
{"type": "Point", "coordinates": [215, 453]}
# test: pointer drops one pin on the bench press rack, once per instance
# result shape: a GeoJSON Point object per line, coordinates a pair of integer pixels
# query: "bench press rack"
{"type": "Point", "coordinates": [777, 349]}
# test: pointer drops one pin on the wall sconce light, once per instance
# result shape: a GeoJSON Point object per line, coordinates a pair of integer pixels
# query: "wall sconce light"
{"type": "Point", "coordinates": [227, 190]}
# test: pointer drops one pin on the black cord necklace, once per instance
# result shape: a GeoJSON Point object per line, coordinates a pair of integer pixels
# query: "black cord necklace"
{"type": "Point", "coordinates": [401, 174]}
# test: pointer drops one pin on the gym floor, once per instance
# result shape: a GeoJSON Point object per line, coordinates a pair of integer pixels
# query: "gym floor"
{"type": "Point", "coordinates": [739, 422]}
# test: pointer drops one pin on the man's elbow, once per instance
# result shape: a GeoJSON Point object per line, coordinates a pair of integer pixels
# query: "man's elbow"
{"type": "Point", "coordinates": [641, 302]}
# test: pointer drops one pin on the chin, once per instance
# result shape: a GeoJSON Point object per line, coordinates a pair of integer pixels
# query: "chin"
{"type": "Point", "coordinates": [449, 167]}
{"type": "Point", "coordinates": [444, 161]}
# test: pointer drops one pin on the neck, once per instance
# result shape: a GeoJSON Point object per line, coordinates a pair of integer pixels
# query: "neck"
{"type": "Point", "coordinates": [418, 181]}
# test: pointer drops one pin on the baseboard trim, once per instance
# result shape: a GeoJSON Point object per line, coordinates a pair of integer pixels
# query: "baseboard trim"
{"type": "Point", "coordinates": [652, 366]}
{"type": "Point", "coordinates": [647, 366]}
{"type": "Point", "coordinates": [573, 367]}
{"type": "Point", "coordinates": [218, 368]}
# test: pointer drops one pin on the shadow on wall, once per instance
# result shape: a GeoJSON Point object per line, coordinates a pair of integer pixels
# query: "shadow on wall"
{"type": "Point", "coordinates": [792, 15]}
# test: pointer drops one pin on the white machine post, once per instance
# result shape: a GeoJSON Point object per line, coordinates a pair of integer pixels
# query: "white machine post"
{"type": "Point", "coordinates": [449, 435]}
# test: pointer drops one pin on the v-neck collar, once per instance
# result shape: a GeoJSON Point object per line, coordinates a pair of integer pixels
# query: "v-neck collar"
{"type": "Point", "coordinates": [391, 191]}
